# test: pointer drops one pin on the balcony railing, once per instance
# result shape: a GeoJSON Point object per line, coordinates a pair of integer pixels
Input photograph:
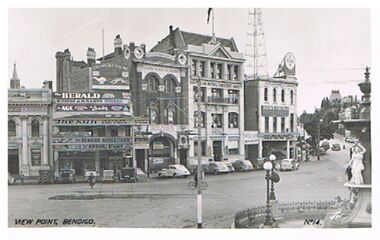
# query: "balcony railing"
{"type": "Point", "coordinates": [222, 100]}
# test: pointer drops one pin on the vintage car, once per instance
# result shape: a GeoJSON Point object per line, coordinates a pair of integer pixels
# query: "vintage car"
{"type": "Point", "coordinates": [336, 147]}
{"type": "Point", "coordinates": [289, 164]}
{"type": "Point", "coordinates": [67, 176]}
{"type": "Point", "coordinates": [216, 168]}
{"type": "Point", "coordinates": [174, 171]}
{"type": "Point", "coordinates": [243, 165]}
{"type": "Point", "coordinates": [108, 176]}
{"type": "Point", "coordinates": [325, 145]}
{"type": "Point", "coordinates": [230, 166]}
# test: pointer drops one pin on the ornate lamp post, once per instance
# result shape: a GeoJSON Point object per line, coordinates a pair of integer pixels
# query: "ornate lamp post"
{"type": "Point", "coordinates": [268, 166]}
{"type": "Point", "coordinates": [272, 196]}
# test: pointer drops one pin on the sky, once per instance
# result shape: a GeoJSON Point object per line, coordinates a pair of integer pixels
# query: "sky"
{"type": "Point", "coordinates": [332, 46]}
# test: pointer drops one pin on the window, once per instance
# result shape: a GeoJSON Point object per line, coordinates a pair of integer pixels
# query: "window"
{"type": "Point", "coordinates": [194, 68]}
{"type": "Point", "coordinates": [266, 124]}
{"type": "Point", "coordinates": [35, 128]}
{"type": "Point", "coordinates": [153, 113]}
{"type": "Point", "coordinates": [233, 147]}
{"type": "Point", "coordinates": [217, 120]}
{"type": "Point", "coordinates": [217, 93]}
{"type": "Point", "coordinates": [292, 122]}
{"type": "Point", "coordinates": [36, 156]}
{"type": "Point", "coordinates": [203, 119]}
{"type": "Point", "coordinates": [170, 116]}
{"type": "Point", "coordinates": [291, 97]}
{"type": "Point", "coordinates": [114, 132]}
{"type": "Point", "coordinates": [128, 132]}
{"type": "Point", "coordinates": [282, 95]}
{"type": "Point", "coordinates": [212, 70]}
{"type": "Point", "coordinates": [202, 69]}
{"type": "Point", "coordinates": [274, 124]}
{"type": "Point", "coordinates": [219, 71]}
{"type": "Point", "coordinates": [266, 94]}
{"type": "Point", "coordinates": [203, 94]}
{"type": "Point", "coordinates": [153, 84]}
{"type": "Point", "coordinates": [170, 85]}
{"type": "Point", "coordinates": [274, 95]}
{"type": "Point", "coordinates": [11, 128]}
{"type": "Point", "coordinates": [229, 73]}
{"type": "Point", "coordinates": [233, 96]}
{"type": "Point", "coordinates": [235, 73]}
{"type": "Point", "coordinates": [233, 120]}
{"type": "Point", "coordinates": [203, 148]}
{"type": "Point", "coordinates": [102, 132]}
{"type": "Point", "coordinates": [282, 124]}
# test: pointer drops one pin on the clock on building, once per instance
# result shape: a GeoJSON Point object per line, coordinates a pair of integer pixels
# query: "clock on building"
{"type": "Point", "coordinates": [290, 61]}
{"type": "Point", "coordinates": [182, 59]}
{"type": "Point", "coordinates": [127, 52]}
{"type": "Point", "coordinates": [139, 53]}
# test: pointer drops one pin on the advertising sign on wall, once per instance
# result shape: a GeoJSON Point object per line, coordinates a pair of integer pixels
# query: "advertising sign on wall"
{"type": "Point", "coordinates": [276, 111]}
{"type": "Point", "coordinates": [110, 76]}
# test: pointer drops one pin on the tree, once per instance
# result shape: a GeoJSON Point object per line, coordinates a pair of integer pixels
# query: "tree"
{"type": "Point", "coordinates": [326, 126]}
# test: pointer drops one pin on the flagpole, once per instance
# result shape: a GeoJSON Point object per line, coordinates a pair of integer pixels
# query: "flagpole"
{"type": "Point", "coordinates": [213, 32]}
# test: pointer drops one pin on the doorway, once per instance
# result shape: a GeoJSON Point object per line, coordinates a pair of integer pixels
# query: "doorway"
{"type": "Point", "coordinates": [217, 150]}
{"type": "Point", "coordinates": [183, 157]}
{"type": "Point", "coordinates": [13, 161]}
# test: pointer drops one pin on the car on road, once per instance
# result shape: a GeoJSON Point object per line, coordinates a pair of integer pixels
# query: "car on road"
{"type": "Point", "coordinates": [11, 180]}
{"type": "Point", "coordinates": [322, 151]}
{"type": "Point", "coordinates": [243, 165]}
{"type": "Point", "coordinates": [336, 147]}
{"type": "Point", "coordinates": [325, 145]}
{"type": "Point", "coordinates": [108, 176]}
{"type": "Point", "coordinates": [67, 176]}
{"type": "Point", "coordinates": [216, 168]}
{"type": "Point", "coordinates": [230, 166]}
{"type": "Point", "coordinates": [350, 139]}
{"type": "Point", "coordinates": [289, 165]}
{"type": "Point", "coordinates": [175, 170]}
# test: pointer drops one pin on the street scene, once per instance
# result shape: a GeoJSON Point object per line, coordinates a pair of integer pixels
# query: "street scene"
{"type": "Point", "coordinates": [190, 121]}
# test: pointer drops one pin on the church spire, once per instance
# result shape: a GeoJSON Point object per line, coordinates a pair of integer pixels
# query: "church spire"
{"type": "Point", "coordinates": [15, 81]}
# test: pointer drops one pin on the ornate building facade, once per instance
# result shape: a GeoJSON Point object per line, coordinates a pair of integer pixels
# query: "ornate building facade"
{"type": "Point", "coordinates": [29, 128]}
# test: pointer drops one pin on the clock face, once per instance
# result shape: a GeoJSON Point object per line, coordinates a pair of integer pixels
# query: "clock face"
{"type": "Point", "coordinates": [182, 58]}
{"type": "Point", "coordinates": [127, 53]}
{"type": "Point", "coordinates": [290, 61]}
{"type": "Point", "coordinates": [139, 53]}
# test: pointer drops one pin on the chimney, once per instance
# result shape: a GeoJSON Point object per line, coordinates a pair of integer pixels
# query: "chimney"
{"type": "Point", "coordinates": [171, 37]}
{"type": "Point", "coordinates": [118, 44]}
{"type": "Point", "coordinates": [91, 56]}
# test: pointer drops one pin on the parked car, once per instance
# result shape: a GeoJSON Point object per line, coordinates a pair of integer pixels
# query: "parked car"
{"type": "Point", "coordinates": [325, 145]}
{"type": "Point", "coordinates": [174, 171]}
{"type": "Point", "coordinates": [258, 163]}
{"type": "Point", "coordinates": [46, 176]}
{"type": "Point", "coordinates": [243, 165]}
{"type": "Point", "coordinates": [11, 180]}
{"type": "Point", "coordinates": [230, 166]}
{"type": "Point", "coordinates": [336, 147]}
{"type": "Point", "coordinates": [350, 139]}
{"type": "Point", "coordinates": [129, 175]}
{"type": "Point", "coordinates": [108, 176]}
{"type": "Point", "coordinates": [67, 176]}
{"type": "Point", "coordinates": [289, 164]}
{"type": "Point", "coordinates": [216, 168]}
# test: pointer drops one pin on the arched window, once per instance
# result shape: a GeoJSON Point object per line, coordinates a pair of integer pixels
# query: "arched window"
{"type": "Point", "coordinates": [291, 97]}
{"type": "Point", "coordinates": [11, 128]}
{"type": "Point", "coordinates": [170, 85]}
{"type": "Point", "coordinates": [265, 94]}
{"type": "Point", "coordinates": [153, 84]}
{"type": "Point", "coordinates": [282, 95]}
{"type": "Point", "coordinates": [35, 128]}
{"type": "Point", "coordinates": [274, 95]}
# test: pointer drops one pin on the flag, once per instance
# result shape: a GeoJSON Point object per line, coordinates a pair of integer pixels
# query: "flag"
{"type": "Point", "coordinates": [208, 14]}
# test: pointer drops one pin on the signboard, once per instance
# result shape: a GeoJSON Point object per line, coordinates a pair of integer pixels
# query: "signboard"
{"type": "Point", "coordinates": [92, 122]}
{"type": "Point", "coordinates": [160, 70]}
{"type": "Point", "coordinates": [93, 108]}
{"type": "Point", "coordinates": [110, 76]}
{"type": "Point", "coordinates": [275, 111]}
{"type": "Point", "coordinates": [91, 147]}
{"type": "Point", "coordinates": [92, 140]}
{"type": "Point", "coordinates": [216, 84]}
{"type": "Point", "coordinates": [92, 95]}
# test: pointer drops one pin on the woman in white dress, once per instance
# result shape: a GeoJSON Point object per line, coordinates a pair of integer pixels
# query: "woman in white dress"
{"type": "Point", "coordinates": [356, 163]}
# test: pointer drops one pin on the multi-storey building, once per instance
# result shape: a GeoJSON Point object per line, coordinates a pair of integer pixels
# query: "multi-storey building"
{"type": "Point", "coordinates": [218, 65]}
{"type": "Point", "coordinates": [29, 127]}
{"type": "Point", "coordinates": [271, 112]}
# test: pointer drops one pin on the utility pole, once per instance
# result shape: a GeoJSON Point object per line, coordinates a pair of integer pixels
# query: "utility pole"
{"type": "Point", "coordinates": [318, 138]}
{"type": "Point", "coordinates": [199, 172]}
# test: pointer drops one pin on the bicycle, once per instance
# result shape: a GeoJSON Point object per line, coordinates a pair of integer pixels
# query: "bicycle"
{"type": "Point", "coordinates": [191, 185]}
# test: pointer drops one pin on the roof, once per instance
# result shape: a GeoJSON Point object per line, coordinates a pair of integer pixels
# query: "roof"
{"type": "Point", "coordinates": [182, 39]}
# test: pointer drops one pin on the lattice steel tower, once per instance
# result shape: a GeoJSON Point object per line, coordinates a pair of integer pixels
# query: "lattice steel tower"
{"type": "Point", "coordinates": [255, 52]}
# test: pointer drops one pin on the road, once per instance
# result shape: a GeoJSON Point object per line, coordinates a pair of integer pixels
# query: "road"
{"type": "Point", "coordinates": [168, 203]}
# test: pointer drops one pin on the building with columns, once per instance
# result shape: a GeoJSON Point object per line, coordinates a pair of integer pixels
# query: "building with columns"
{"type": "Point", "coordinates": [29, 128]}
{"type": "Point", "coordinates": [218, 65]}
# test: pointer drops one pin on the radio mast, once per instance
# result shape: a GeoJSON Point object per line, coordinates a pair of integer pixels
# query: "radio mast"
{"type": "Point", "coordinates": [255, 52]}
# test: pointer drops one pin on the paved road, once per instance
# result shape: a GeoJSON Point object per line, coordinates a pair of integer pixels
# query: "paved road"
{"type": "Point", "coordinates": [169, 203]}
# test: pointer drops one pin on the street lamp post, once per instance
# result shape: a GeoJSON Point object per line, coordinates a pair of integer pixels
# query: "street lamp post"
{"type": "Point", "coordinates": [272, 158]}
{"type": "Point", "coordinates": [199, 150]}
{"type": "Point", "coordinates": [318, 137]}
{"type": "Point", "coordinates": [268, 166]}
